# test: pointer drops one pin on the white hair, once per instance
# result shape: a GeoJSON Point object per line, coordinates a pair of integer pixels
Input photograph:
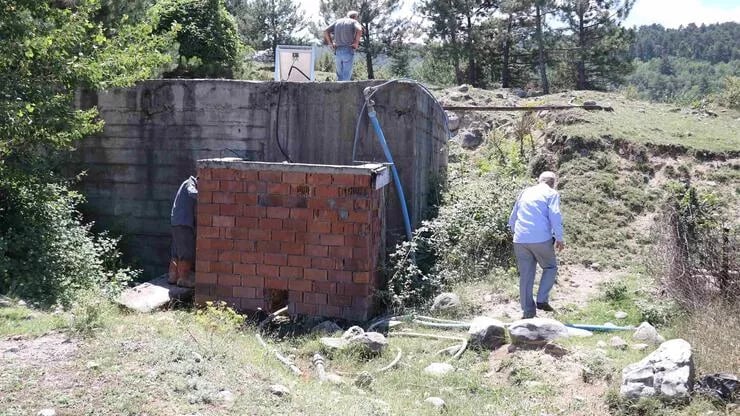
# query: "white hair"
{"type": "Point", "coordinates": [548, 177]}
{"type": "Point", "coordinates": [352, 14]}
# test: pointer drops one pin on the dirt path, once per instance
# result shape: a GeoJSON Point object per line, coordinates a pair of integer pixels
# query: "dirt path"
{"type": "Point", "coordinates": [576, 285]}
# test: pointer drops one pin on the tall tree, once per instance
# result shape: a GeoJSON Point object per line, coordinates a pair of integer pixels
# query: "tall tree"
{"type": "Point", "coordinates": [457, 24]}
{"type": "Point", "coordinates": [540, 7]}
{"type": "Point", "coordinates": [376, 18]}
{"type": "Point", "coordinates": [601, 45]}
{"type": "Point", "coordinates": [268, 23]}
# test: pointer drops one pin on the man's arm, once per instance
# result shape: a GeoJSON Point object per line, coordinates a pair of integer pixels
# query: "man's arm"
{"type": "Point", "coordinates": [358, 36]}
{"type": "Point", "coordinates": [556, 220]}
{"type": "Point", "coordinates": [327, 36]}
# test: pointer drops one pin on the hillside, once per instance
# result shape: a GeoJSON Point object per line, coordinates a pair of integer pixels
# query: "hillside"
{"type": "Point", "coordinates": [613, 167]}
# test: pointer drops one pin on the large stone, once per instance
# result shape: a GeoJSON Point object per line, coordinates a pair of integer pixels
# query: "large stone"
{"type": "Point", "coordinates": [435, 402]}
{"type": "Point", "coordinates": [453, 121]}
{"type": "Point", "coordinates": [536, 331]}
{"type": "Point", "coordinates": [279, 390]}
{"type": "Point", "coordinates": [438, 369]}
{"type": "Point", "coordinates": [326, 328]}
{"type": "Point", "coordinates": [445, 302]}
{"type": "Point", "coordinates": [647, 333]}
{"type": "Point", "coordinates": [666, 373]}
{"type": "Point", "coordinates": [356, 337]}
{"type": "Point", "coordinates": [618, 343]}
{"type": "Point", "coordinates": [153, 295]}
{"type": "Point", "coordinates": [486, 333]}
{"type": "Point", "coordinates": [470, 139]}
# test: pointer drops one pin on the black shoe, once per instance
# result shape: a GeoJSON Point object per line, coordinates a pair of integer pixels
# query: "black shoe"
{"type": "Point", "coordinates": [545, 307]}
{"type": "Point", "coordinates": [528, 317]}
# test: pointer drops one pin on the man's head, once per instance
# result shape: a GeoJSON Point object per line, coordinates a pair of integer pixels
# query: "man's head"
{"type": "Point", "coordinates": [353, 14]}
{"type": "Point", "coordinates": [549, 178]}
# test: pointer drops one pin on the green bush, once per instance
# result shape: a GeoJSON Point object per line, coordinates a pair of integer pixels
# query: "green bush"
{"type": "Point", "coordinates": [465, 242]}
{"type": "Point", "coordinates": [207, 34]}
{"type": "Point", "coordinates": [47, 254]}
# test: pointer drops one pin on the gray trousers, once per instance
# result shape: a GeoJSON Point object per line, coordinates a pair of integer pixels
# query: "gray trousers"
{"type": "Point", "coordinates": [528, 255]}
{"type": "Point", "coordinates": [183, 243]}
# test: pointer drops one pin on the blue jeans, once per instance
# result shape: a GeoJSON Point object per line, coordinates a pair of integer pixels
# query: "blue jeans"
{"type": "Point", "coordinates": [528, 255]}
{"type": "Point", "coordinates": [345, 56]}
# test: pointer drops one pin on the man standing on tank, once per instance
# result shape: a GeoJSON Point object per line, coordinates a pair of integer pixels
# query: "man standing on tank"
{"type": "Point", "coordinates": [344, 38]}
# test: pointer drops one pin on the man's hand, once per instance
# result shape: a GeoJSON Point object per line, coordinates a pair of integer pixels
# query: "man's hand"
{"type": "Point", "coordinates": [355, 45]}
{"type": "Point", "coordinates": [559, 245]}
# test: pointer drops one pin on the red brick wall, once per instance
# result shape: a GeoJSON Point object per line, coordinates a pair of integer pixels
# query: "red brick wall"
{"type": "Point", "coordinates": [314, 237]}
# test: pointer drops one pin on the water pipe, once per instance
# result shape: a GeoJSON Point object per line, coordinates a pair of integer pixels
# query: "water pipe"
{"type": "Point", "coordinates": [601, 328]}
{"type": "Point", "coordinates": [387, 151]}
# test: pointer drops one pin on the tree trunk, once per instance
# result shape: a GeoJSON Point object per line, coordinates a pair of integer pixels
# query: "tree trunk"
{"type": "Point", "coordinates": [368, 52]}
{"type": "Point", "coordinates": [581, 64]}
{"type": "Point", "coordinates": [541, 51]}
{"type": "Point", "coordinates": [505, 70]}
{"type": "Point", "coordinates": [472, 76]}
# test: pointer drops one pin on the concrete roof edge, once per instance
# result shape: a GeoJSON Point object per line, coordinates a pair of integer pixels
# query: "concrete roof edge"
{"type": "Point", "coordinates": [240, 164]}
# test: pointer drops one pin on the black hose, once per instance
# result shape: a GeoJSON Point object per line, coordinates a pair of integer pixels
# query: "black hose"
{"type": "Point", "coordinates": [277, 124]}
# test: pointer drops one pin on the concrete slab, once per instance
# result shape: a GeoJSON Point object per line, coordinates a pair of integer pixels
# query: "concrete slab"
{"type": "Point", "coordinates": [152, 295]}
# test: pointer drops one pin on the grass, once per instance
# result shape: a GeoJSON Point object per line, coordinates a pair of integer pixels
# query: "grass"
{"type": "Point", "coordinates": [658, 124]}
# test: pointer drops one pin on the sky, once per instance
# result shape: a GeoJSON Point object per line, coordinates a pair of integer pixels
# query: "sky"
{"type": "Point", "coordinates": [669, 13]}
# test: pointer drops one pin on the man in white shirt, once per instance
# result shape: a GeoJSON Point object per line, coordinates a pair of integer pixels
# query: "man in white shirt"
{"type": "Point", "coordinates": [537, 226]}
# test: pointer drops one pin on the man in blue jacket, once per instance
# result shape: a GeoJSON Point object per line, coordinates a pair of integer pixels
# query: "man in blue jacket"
{"type": "Point", "coordinates": [182, 221]}
{"type": "Point", "coordinates": [537, 226]}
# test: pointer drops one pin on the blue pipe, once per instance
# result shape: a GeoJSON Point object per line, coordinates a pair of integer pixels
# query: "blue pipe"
{"type": "Point", "coordinates": [601, 328]}
{"type": "Point", "coordinates": [396, 179]}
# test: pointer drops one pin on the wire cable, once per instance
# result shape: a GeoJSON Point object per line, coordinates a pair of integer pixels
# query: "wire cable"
{"type": "Point", "coordinates": [277, 124]}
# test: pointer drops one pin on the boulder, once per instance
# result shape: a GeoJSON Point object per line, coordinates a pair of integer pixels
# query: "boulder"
{"type": "Point", "coordinates": [471, 139]}
{"type": "Point", "coordinates": [446, 302]}
{"type": "Point", "coordinates": [667, 373]}
{"type": "Point", "coordinates": [648, 334]}
{"type": "Point", "coordinates": [620, 315]}
{"type": "Point", "coordinates": [639, 347]}
{"type": "Point", "coordinates": [356, 337]}
{"type": "Point", "coordinates": [279, 390]}
{"type": "Point", "coordinates": [618, 343]}
{"type": "Point", "coordinates": [438, 369]}
{"type": "Point", "coordinates": [536, 331]}
{"type": "Point", "coordinates": [326, 328]}
{"type": "Point", "coordinates": [453, 121]}
{"type": "Point", "coordinates": [435, 402]}
{"type": "Point", "coordinates": [463, 88]}
{"type": "Point", "coordinates": [486, 333]}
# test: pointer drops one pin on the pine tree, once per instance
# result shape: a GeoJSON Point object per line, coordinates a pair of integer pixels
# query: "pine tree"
{"type": "Point", "coordinates": [601, 45]}
{"type": "Point", "coordinates": [268, 23]}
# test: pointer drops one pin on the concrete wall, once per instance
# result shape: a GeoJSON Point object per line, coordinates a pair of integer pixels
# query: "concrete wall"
{"type": "Point", "coordinates": [155, 132]}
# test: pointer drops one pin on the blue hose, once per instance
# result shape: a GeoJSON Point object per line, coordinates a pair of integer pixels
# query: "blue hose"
{"type": "Point", "coordinates": [601, 328]}
{"type": "Point", "coordinates": [396, 179]}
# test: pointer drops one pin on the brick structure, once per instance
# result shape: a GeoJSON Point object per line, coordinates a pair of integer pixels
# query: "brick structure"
{"type": "Point", "coordinates": [275, 234]}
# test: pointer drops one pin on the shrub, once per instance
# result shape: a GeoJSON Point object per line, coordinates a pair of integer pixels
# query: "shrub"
{"type": "Point", "coordinates": [695, 257]}
{"type": "Point", "coordinates": [47, 253]}
{"type": "Point", "coordinates": [468, 239]}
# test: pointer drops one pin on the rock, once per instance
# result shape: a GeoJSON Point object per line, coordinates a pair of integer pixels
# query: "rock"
{"type": "Point", "coordinates": [279, 390]}
{"type": "Point", "coordinates": [197, 357]}
{"type": "Point", "coordinates": [364, 380]}
{"type": "Point", "coordinates": [666, 373]}
{"type": "Point", "coordinates": [579, 333]}
{"type": "Point", "coordinates": [13, 349]}
{"type": "Point", "coordinates": [445, 302]}
{"type": "Point", "coordinates": [618, 343]}
{"type": "Point", "coordinates": [356, 337]}
{"type": "Point", "coordinates": [438, 369]}
{"type": "Point", "coordinates": [23, 303]}
{"type": "Point", "coordinates": [536, 331]}
{"type": "Point", "coordinates": [470, 139]}
{"type": "Point", "coordinates": [225, 396]}
{"type": "Point", "coordinates": [372, 342]}
{"type": "Point", "coordinates": [648, 334]}
{"type": "Point", "coordinates": [47, 412]}
{"type": "Point", "coordinates": [601, 344]}
{"type": "Point", "coordinates": [486, 333]}
{"type": "Point", "coordinates": [334, 379]}
{"type": "Point", "coordinates": [463, 88]}
{"type": "Point", "coordinates": [596, 266]}
{"type": "Point", "coordinates": [453, 121]}
{"type": "Point", "coordinates": [500, 96]}
{"type": "Point", "coordinates": [5, 302]}
{"type": "Point", "coordinates": [92, 365]}
{"type": "Point", "coordinates": [620, 315]}
{"type": "Point", "coordinates": [326, 328]}
{"type": "Point", "coordinates": [589, 102]}
{"type": "Point", "coordinates": [435, 402]}
{"type": "Point", "coordinates": [456, 97]}
{"type": "Point", "coordinates": [353, 331]}
{"type": "Point", "coordinates": [555, 350]}
{"type": "Point", "coordinates": [639, 347]}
